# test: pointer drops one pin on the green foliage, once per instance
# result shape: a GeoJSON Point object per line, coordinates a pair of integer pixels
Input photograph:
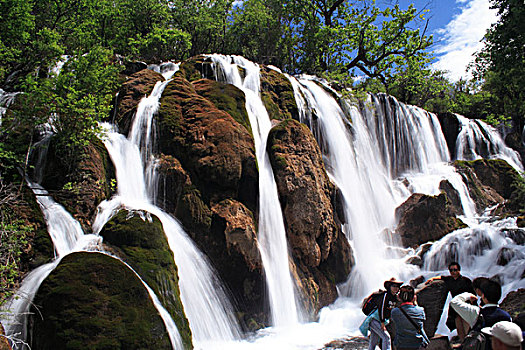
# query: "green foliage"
{"type": "Point", "coordinates": [76, 99]}
{"type": "Point", "coordinates": [160, 44]}
{"type": "Point", "coordinates": [500, 65]}
{"type": "Point", "coordinates": [13, 235]}
{"type": "Point", "coordinates": [260, 31]}
{"type": "Point", "coordinates": [206, 21]}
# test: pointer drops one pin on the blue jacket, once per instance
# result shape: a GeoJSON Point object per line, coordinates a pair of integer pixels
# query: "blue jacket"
{"type": "Point", "coordinates": [407, 336]}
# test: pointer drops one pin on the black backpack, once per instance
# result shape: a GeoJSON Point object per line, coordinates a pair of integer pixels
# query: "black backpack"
{"type": "Point", "coordinates": [475, 340]}
{"type": "Point", "coordinates": [371, 302]}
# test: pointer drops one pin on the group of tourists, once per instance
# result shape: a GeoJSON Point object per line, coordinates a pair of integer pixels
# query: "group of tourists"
{"type": "Point", "coordinates": [481, 324]}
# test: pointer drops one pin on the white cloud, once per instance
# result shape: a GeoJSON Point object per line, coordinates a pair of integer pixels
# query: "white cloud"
{"type": "Point", "coordinates": [462, 36]}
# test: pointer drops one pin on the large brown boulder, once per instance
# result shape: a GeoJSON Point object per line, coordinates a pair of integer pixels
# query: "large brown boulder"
{"type": "Point", "coordinates": [233, 246]}
{"type": "Point", "coordinates": [305, 193]}
{"type": "Point", "coordinates": [136, 86]}
{"type": "Point", "coordinates": [432, 298]}
{"type": "Point", "coordinates": [93, 301]}
{"type": "Point", "coordinates": [209, 180]}
{"type": "Point", "coordinates": [424, 218]}
{"type": "Point", "coordinates": [216, 151]}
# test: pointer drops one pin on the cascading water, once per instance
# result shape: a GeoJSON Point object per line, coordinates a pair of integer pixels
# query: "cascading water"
{"type": "Point", "coordinates": [477, 140]}
{"type": "Point", "coordinates": [271, 232]}
{"type": "Point", "coordinates": [205, 303]}
{"type": "Point", "coordinates": [67, 236]}
{"type": "Point", "coordinates": [6, 98]}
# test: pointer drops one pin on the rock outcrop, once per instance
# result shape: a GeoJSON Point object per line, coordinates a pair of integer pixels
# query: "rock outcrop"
{"type": "Point", "coordinates": [451, 127]}
{"type": "Point", "coordinates": [93, 301]}
{"type": "Point", "coordinates": [514, 303]}
{"type": "Point", "coordinates": [318, 246]}
{"type": "Point", "coordinates": [432, 298]}
{"type": "Point", "coordinates": [494, 181]}
{"type": "Point", "coordinates": [277, 95]}
{"type": "Point", "coordinates": [424, 218]}
{"type": "Point", "coordinates": [140, 241]}
{"type": "Point", "coordinates": [80, 186]}
{"type": "Point", "coordinates": [135, 87]}
{"type": "Point", "coordinates": [209, 179]}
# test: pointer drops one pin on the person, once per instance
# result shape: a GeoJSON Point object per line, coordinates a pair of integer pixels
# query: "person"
{"type": "Point", "coordinates": [465, 306]}
{"type": "Point", "coordinates": [504, 335]}
{"type": "Point", "coordinates": [409, 335]}
{"type": "Point", "coordinates": [455, 284]}
{"type": "Point", "coordinates": [377, 325]}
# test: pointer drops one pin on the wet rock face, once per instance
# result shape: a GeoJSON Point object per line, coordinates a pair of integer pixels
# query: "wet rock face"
{"type": "Point", "coordinates": [432, 298]}
{"type": "Point", "coordinates": [93, 301]}
{"type": "Point", "coordinates": [424, 218]}
{"type": "Point", "coordinates": [493, 181]}
{"type": "Point", "coordinates": [452, 196]}
{"type": "Point", "coordinates": [136, 86]}
{"type": "Point", "coordinates": [451, 127]}
{"type": "Point", "coordinates": [80, 186]}
{"type": "Point", "coordinates": [139, 239]}
{"type": "Point", "coordinates": [514, 303]}
{"type": "Point", "coordinates": [277, 95]}
{"type": "Point", "coordinates": [305, 196]}
{"type": "Point", "coordinates": [216, 151]}
{"type": "Point", "coordinates": [209, 179]}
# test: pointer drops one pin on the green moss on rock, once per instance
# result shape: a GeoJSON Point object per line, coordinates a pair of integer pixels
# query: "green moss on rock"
{"type": "Point", "coordinates": [93, 301]}
{"type": "Point", "coordinates": [196, 68]}
{"type": "Point", "coordinates": [142, 243]}
{"type": "Point", "coordinates": [225, 97]}
{"type": "Point", "coordinates": [277, 95]}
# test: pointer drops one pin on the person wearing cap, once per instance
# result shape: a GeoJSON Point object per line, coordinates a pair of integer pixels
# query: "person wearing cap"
{"type": "Point", "coordinates": [455, 284]}
{"type": "Point", "coordinates": [504, 335]}
{"type": "Point", "coordinates": [377, 325]}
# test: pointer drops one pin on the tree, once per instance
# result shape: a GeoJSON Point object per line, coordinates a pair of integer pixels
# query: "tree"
{"type": "Point", "coordinates": [260, 31]}
{"type": "Point", "coordinates": [339, 37]}
{"type": "Point", "coordinates": [206, 21]}
{"type": "Point", "coordinates": [500, 65]}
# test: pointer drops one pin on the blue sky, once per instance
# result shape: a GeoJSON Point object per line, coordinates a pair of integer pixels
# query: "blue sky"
{"type": "Point", "coordinates": [457, 26]}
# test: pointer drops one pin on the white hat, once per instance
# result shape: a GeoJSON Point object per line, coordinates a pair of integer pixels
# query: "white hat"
{"type": "Point", "coordinates": [507, 332]}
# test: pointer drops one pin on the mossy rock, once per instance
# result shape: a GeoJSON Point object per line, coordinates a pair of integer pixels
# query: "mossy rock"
{"type": "Point", "coordinates": [142, 243]}
{"type": "Point", "coordinates": [93, 301]}
{"type": "Point", "coordinates": [196, 68]}
{"type": "Point", "coordinates": [277, 95]}
{"type": "Point", "coordinates": [225, 97]}
{"type": "Point", "coordinates": [80, 185]}
{"type": "Point", "coordinates": [498, 175]}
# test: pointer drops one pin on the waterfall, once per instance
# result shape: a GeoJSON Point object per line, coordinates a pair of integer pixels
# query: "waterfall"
{"type": "Point", "coordinates": [271, 231]}
{"type": "Point", "coordinates": [205, 302]}
{"type": "Point", "coordinates": [477, 140]}
{"type": "Point", "coordinates": [67, 236]}
{"type": "Point", "coordinates": [6, 98]}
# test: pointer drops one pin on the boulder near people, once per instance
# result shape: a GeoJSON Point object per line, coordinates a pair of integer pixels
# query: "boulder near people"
{"type": "Point", "coordinates": [408, 319]}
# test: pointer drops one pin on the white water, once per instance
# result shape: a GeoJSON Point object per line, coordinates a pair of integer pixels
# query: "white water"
{"type": "Point", "coordinates": [6, 98]}
{"type": "Point", "coordinates": [477, 140]}
{"type": "Point", "coordinates": [284, 306]}
{"type": "Point", "coordinates": [206, 305]}
{"type": "Point", "coordinates": [67, 236]}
